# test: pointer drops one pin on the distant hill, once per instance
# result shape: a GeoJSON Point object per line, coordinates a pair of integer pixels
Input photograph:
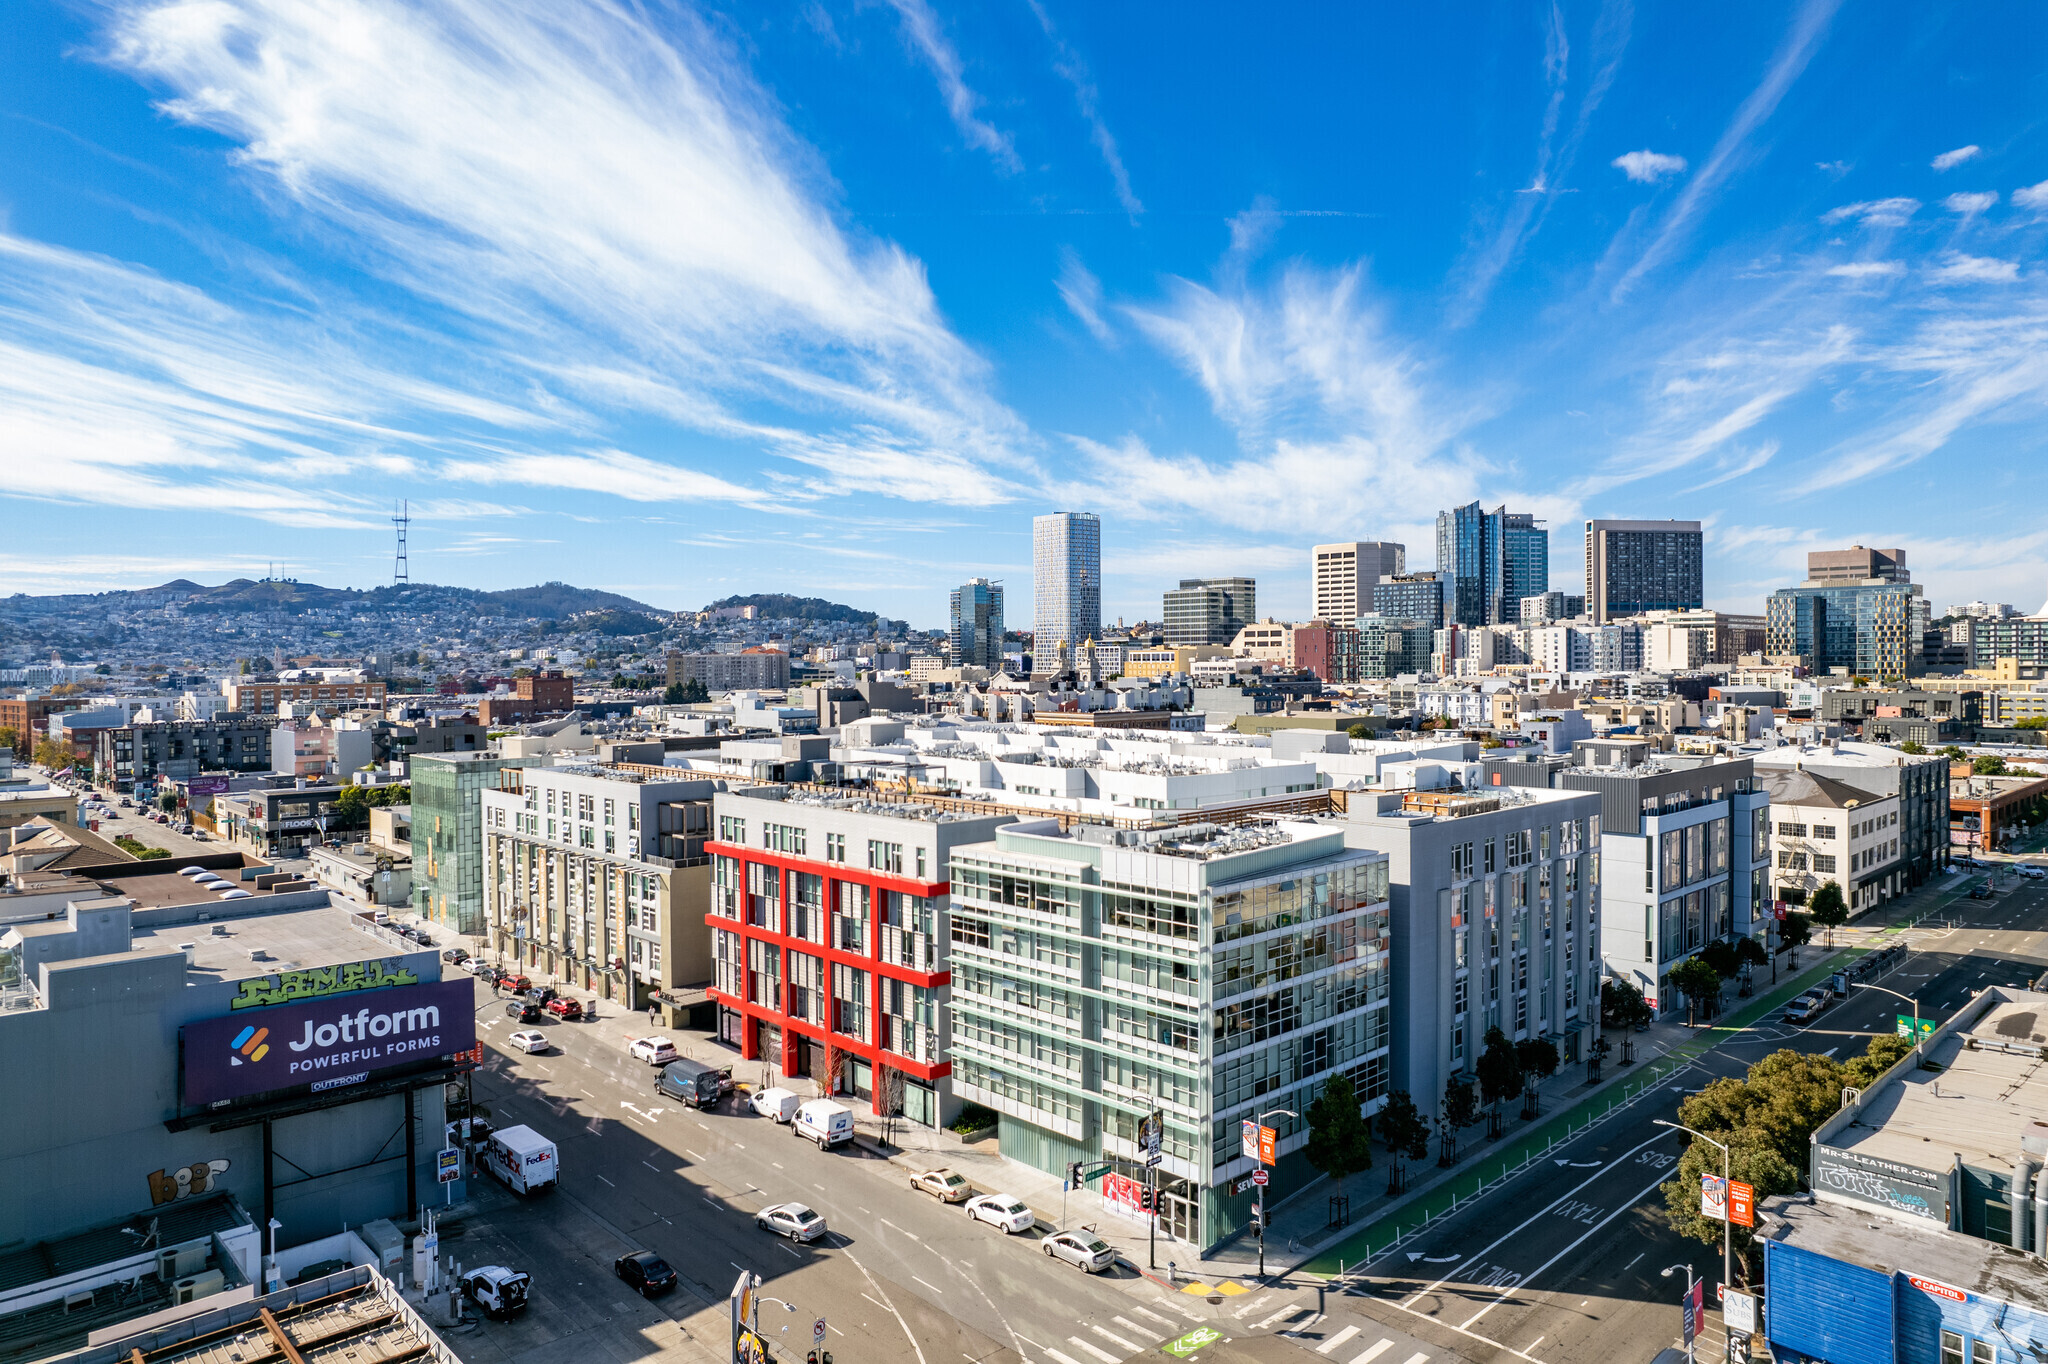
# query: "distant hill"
{"type": "Point", "coordinates": [777, 606]}
{"type": "Point", "coordinates": [548, 601]}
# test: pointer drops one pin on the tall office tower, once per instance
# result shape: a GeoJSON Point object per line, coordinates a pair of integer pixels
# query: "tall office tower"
{"type": "Point", "coordinates": [1638, 566]}
{"type": "Point", "coordinates": [1410, 596]}
{"type": "Point", "coordinates": [1210, 610]}
{"type": "Point", "coordinates": [1494, 559]}
{"type": "Point", "coordinates": [1066, 573]}
{"type": "Point", "coordinates": [1858, 609]}
{"type": "Point", "coordinates": [1342, 577]}
{"type": "Point", "coordinates": [977, 625]}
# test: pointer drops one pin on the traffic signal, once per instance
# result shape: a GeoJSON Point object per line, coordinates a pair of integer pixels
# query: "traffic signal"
{"type": "Point", "coordinates": [1145, 1200]}
{"type": "Point", "coordinates": [1258, 1221]}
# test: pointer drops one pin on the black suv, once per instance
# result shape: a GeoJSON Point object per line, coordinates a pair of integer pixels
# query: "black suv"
{"type": "Point", "coordinates": [523, 1011]}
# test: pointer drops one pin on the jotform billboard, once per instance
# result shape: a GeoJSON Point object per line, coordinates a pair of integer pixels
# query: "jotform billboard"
{"type": "Point", "coordinates": [327, 1043]}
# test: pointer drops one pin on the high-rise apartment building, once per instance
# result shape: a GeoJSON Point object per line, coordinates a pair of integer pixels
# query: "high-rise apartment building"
{"type": "Point", "coordinates": [1207, 974]}
{"type": "Point", "coordinates": [1210, 610]}
{"type": "Point", "coordinates": [1066, 580]}
{"type": "Point", "coordinates": [1858, 609]}
{"type": "Point", "coordinates": [1638, 566]}
{"type": "Point", "coordinates": [977, 625]}
{"type": "Point", "coordinates": [1493, 559]}
{"type": "Point", "coordinates": [1342, 577]}
{"type": "Point", "coordinates": [599, 875]}
{"type": "Point", "coordinates": [1410, 596]}
{"type": "Point", "coordinates": [830, 929]}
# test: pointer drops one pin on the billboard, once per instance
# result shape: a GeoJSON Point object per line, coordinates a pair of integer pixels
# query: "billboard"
{"type": "Point", "coordinates": [327, 1043]}
{"type": "Point", "coordinates": [1886, 1183]}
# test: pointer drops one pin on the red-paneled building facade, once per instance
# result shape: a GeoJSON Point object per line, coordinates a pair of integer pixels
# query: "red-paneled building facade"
{"type": "Point", "coordinates": [828, 939]}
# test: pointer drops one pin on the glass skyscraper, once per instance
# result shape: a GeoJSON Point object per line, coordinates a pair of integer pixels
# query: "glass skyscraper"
{"type": "Point", "coordinates": [1066, 564]}
{"type": "Point", "coordinates": [1638, 566]}
{"type": "Point", "coordinates": [1493, 560]}
{"type": "Point", "coordinates": [1858, 609]}
{"type": "Point", "coordinates": [977, 625]}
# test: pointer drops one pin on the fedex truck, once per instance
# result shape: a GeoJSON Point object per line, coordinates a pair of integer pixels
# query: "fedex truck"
{"type": "Point", "coordinates": [524, 1160]}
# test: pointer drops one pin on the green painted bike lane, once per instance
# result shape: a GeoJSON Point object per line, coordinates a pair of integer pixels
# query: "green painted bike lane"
{"type": "Point", "coordinates": [1381, 1235]}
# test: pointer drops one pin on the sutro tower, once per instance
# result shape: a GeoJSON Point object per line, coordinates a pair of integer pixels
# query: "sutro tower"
{"type": "Point", "coordinates": [401, 574]}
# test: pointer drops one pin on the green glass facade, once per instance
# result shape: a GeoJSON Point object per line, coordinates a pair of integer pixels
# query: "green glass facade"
{"type": "Point", "coordinates": [448, 835]}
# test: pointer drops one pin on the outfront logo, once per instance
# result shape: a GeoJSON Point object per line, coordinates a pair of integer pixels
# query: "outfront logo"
{"type": "Point", "coordinates": [249, 1042]}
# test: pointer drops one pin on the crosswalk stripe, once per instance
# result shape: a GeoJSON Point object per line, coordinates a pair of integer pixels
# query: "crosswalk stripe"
{"type": "Point", "coordinates": [1055, 1354]}
{"type": "Point", "coordinates": [1417, 1358]}
{"type": "Point", "coordinates": [1112, 1337]}
{"type": "Point", "coordinates": [1130, 1325]}
{"type": "Point", "coordinates": [1374, 1353]}
{"type": "Point", "coordinates": [1148, 1312]}
{"type": "Point", "coordinates": [1299, 1328]}
{"type": "Point", "coordinates": [1259, 1301]}
{"type": "Point", "coordinates": [1289, 1311]}
{"type": "Point", "coordinates": [1105, 1356]}
{"type": "Point", "coordinates": [1334, 1341]}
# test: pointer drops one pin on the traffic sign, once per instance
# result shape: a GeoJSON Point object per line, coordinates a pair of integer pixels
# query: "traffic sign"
{"type": "Point", "coordinates": [818, 1331]}
{"type": "Point", "coordinates": [1909, 1025]}
{"type": "Point", "coordinates": [1259, 1177]}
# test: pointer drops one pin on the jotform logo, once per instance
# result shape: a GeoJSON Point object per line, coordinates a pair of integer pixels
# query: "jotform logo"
{"type": "Point", "coordinates": [249, 1042]}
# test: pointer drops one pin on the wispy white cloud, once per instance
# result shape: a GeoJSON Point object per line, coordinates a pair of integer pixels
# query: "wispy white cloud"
{"type": "Point", "coordinates": [1074, 71]}
{"type": "Point", "coordinates": [604, 209]}
{"type": "Point", "coordinates": [921, 26]}
{"type": "Point", "coordinates": [1838, 169]}
{"type": "Point", "coordinates": [1957, 268]}
{"type": "Point", "coordinates": [2032, 196]}
{"type": "Point", "coordinates": [1647, 167]}
{"type": "Point", "coordinates": [1809, 26]}
{"type": "Point", "coordinates": [1082, 293]}
{"type": "Point", "coordinates": [1874, 212]}
{"type": "Point", "coordinates": [1950, 160]}
{"type": "Point", "coordinates": [1868, 269]}
{"type": "Point", "coordinates": [1970, 204]}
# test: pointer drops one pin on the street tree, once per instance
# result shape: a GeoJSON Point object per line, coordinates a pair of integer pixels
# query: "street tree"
{"type": "Point", "coordinates": [1793, 930]}
{"type": "Point", "coordinates": [1722, 956]}
{"type": "Point", "coordinates": [168, 802]}
{"type": "Point", "coordinates": [1989, 765]}
{"type": "Point", "coordinates": [1700, 984]}
{"type": "Point", "coordinates": [1358, 731]}
{"type": "Point", "coordinates": [1829, 909]}
{"type": "Point", "coordinates": [1460, 1109]}
{"type": "Point", "coordinates": [1539, 1060]}
{"type": "Point", "coordinates": [10, 738]}
{"type": "Point", "coordinates": [1622, 1005]}
{"type": "Point", "coordinates": [1339, 1139]}
{"type": "Point", "coordinates": [1750, 952]}
{"type": "Point", "coordinates": [1500, 1076]}
{"type": "Point", "coordinates": [1405, 1134]}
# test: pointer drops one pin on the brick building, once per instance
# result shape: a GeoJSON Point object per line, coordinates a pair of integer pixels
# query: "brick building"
{"type": "Point", "coordinates": [830, 927]}
{"type": "Point", "coordinates": [533, 696]}
{"type": "Point", "coordinates": [262, 696]}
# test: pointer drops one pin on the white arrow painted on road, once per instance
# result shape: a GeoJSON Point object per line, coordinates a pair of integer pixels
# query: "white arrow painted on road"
{"type": "Point", "coordinates": [642, 1112]}
{"type": "Point", "coordinates": [1583, 1164]}
{"type": "Point", "coordinates": [1415, 1255]}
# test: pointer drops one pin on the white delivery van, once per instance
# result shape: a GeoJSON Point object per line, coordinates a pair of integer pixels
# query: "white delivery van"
{"type": "Point", "coordinates": [523, 1159]}
{"type": "Point", "coordinates": [778, 1104]}
{"type": "Point", "coordinates": [824, 1122]}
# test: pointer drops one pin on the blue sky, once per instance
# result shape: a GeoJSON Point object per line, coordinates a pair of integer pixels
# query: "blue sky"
{"type": "Point", "coordinates": [831, 298]}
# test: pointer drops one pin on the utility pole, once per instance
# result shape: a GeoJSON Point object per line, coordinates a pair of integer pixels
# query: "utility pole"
{"type": "Point", "coordinates": [1727, 1222]}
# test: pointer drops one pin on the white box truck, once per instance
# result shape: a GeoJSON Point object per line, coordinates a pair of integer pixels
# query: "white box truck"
{"type": "Point", "coordinates": [523, 1159]}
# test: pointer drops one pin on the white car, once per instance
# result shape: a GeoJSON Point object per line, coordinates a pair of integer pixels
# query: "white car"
{"type": "Point", "coordinates": [945, 1185]}
{"type": "Point", "coordinates": [529, 1041]}
{"type": "Point", "coordinates": [793, 1220]}
{"type": "Point", "coordinates": [655, 1051]}
{"type": "Point", "coordinates": [1084, 1250]}
{"type": "Point", "coordinates": [474, 965]}
{"type": "Point", "coordinates": [1002, 1210]}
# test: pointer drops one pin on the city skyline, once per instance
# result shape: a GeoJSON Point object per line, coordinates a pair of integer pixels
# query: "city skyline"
{"type": "Point", "coordinates": [1654, 265]}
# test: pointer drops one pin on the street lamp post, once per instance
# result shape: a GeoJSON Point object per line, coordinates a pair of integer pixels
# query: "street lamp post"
{"type": "Point", "coordinates": [1863, 985]}
{"type": "Point", "coordinates": [1689, 1356]}
{"type": "Point", "coordinates": [1727, 1223]}
{"type": "Point", "coordinates": [1260, 1121]}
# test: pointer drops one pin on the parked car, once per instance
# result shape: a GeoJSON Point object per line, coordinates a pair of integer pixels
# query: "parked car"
{"type": "Point", "coordinates": [1980, 892]}
{"type": "Point", "coordinates": [793, 1220]}
{"type": "Point", "coordinates": [645, 1271]}
{"type": "Point", "coordinates": [455, 956]}
{"type": "Point", "coordinates": [561, 1006]}
{"type": "Point", "coordinates": [518, 985]}
{"type": "Point", "coordinates": [1002, 1210]}
{"type": "Point", "coordinates": [200, 835]}
{"type": "Point", "coordinates": [655, 1051]}
{"type": "Point", "coordinates": [541, 994]}
{"type": "Point", "coordinates": [529, 1041]}
{"type": "Point", "coordinates": [947, 1186]}
{"type": "Point", "coordinates": [1806, 1008]}
{"type": "Point", "coordinates": [523, 1011]}
{"type": "Point", "coordinates": [1083, 1250]}
{"type": "Point", "coordinates": [499, 1291]}
{"type": "Point", "coordinates": [779, 1104]}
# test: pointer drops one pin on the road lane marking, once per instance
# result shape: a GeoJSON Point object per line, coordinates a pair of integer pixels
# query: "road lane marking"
{"type": "Point", "coordinates": [1105, 1356]}
{"type": "Point", "coordinates": [1418, 1296]}
{"type": "Point", "coordinates": [1374, 1353]}
{"type": "Point", "coordinates": [1531, 1276]}
{"type": "Point", "coordinates": [650, 1167]}
{"type": "Point", "coordinates": [939, 1291]}
{"type": "Point", "coordinates": [1113, 1338]}
{"type": "Point", "coordinates": [1259, 1301]}
{"type": "Point", "coordinates": [608, 1183]}
{"type": "Point", "coordinates": [918, 1349]}
{"type": "Point", "coordinates": [893, 1227]}
{"type": "Point", "coordinates": [1288, 1311]}
{"type": "Point", "coordinates": [876, 1301]}
{"type": "Point", "coordinates": [691, 1154]}
{"type": "Point", "coordinates": [1417, 1358]}
{"type": "Point", "coordinates": [1143, 1312]}
{"type": "Point", "coordinates": [1334, 1341]}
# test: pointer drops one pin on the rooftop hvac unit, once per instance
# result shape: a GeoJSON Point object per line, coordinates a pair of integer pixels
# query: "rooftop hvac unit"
{"type": "Point", "coordinates": [175, 1262]}
{"type": "Point", "coordinates": [200, 1286]}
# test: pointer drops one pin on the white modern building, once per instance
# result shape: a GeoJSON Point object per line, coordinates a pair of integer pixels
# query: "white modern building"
{"type": "Point", "coordinates": [1066, 574]}
{"type": "Point", "coordinates": [1342, 577]}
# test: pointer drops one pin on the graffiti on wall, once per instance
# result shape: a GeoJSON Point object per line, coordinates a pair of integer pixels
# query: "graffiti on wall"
{"type": "Point", "coordinates": [168, 1186]}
